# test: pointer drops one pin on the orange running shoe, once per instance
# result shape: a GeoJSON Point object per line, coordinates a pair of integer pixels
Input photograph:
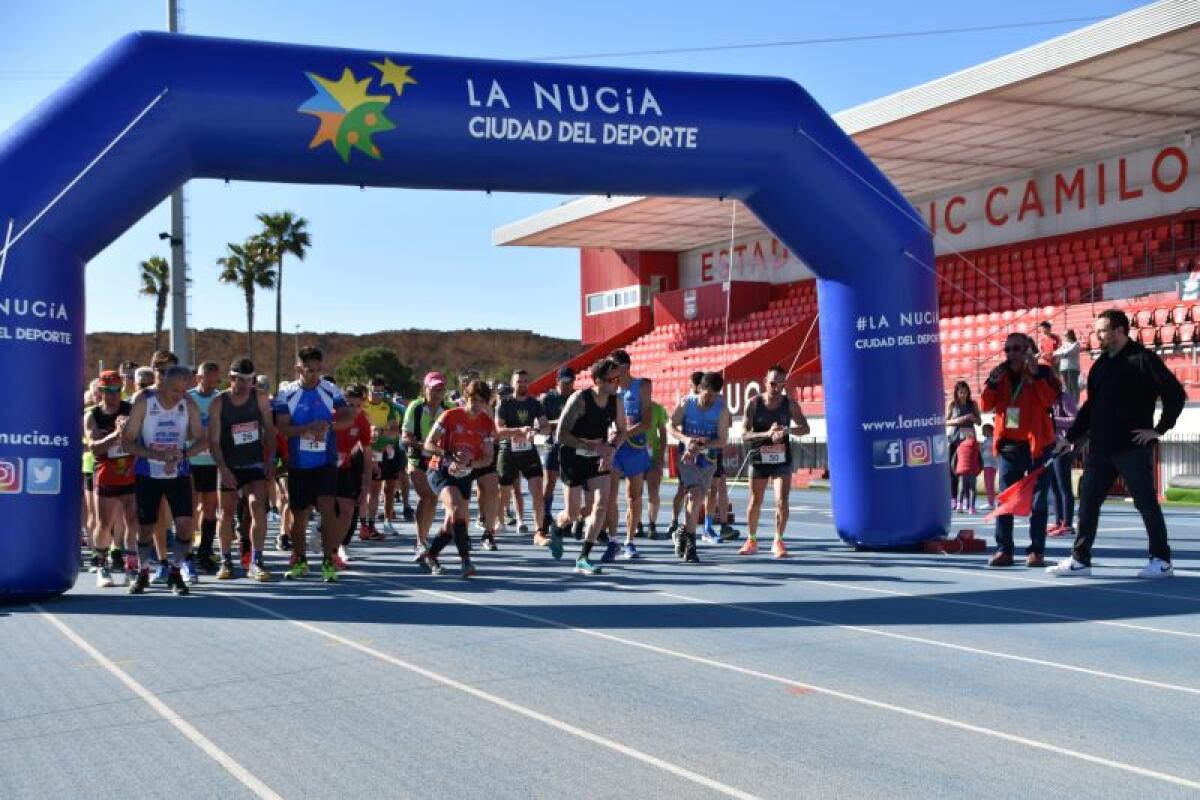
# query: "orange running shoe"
{"type": "Point", "coordinates": [778, 549]}
{"type": "Point", "coordinates": [749, 548]}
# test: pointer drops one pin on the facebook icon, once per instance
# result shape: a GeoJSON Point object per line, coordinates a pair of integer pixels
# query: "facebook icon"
{"type": "Point", "coordinates": [887, 453]}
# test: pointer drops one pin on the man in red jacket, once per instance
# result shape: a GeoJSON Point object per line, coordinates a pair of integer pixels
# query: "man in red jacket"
{"type": "Point", "coordinates": [1021, 392]}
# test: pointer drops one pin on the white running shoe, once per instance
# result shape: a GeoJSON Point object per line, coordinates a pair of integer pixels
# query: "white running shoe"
{"type": "Point", "coordinates": [344, 553]}
{"type": "Point", "coordinates": [388, 529]}
{"type": "Point", "coordinates": [1069, 568]}
{"type": "Point", "coordinates": [1157, 568]}
{"type": "Point", "coordinates": [103, 577]}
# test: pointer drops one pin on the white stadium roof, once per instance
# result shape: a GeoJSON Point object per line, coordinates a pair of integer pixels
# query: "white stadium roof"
{"type": "Point", "coordinates": [1129, 81]}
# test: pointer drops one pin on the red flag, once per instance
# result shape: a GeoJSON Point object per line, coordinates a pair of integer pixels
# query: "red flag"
{"type": "Point", "coordinates": [1018, 498]}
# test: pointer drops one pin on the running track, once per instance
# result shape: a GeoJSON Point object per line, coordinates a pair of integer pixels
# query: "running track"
{"type": "Point", "coordinates": [831, 674]}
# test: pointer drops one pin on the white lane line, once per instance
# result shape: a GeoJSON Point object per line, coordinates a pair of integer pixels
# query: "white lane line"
{"type": "Point", "coordinates": [974, 604]}
{"type": "Point", "coordinates": [852, 698]}
{"type": "Point", "coordinates": [1116, 676]}
{"type": "Point", "coordinates": [227, 762]}
{"type": "Point", "coordinates": [638, 755]}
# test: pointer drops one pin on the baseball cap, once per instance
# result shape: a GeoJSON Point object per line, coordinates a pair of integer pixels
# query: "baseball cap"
{"type": "Point", "coordinates": [434, 379]}
{"type": "Point", "coordinates": [503, 389]}
{"type": "Point", "coordinates": [243, 367]}
{"type": "Point", "coordinates": [110, 380]}
{"type": "Point", "coordinates": [566, 373]}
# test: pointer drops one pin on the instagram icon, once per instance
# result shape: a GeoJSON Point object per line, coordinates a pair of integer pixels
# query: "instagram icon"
{"type": "Point", "coordinates": [10, 476]}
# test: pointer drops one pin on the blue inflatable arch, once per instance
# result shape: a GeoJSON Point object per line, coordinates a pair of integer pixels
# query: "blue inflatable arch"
{"type": "Point", "coordinates": [157, 109]}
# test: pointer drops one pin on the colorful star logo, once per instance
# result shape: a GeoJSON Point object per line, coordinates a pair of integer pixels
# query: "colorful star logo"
{"type": "Point", "coordinates": [348, 115]}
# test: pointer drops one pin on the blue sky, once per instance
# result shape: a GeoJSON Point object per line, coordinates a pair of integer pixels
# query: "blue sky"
{"type": "Point", "coordinates": [399, 282]}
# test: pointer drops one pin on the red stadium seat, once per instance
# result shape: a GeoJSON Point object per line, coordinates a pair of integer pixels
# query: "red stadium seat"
{"type": "Point", "coordinates": [1145, 318]}
{"type": "Point", "coordinates": [1168, 335]}
{"type": "Point", "coordinates": [1179, 315]}
{"type": "Point", "coordinates": [1146, 336]}
{"type": "Point", "coordinates": [1161, 315]}
{"type": "Point", "coordinates": [1187, 334]}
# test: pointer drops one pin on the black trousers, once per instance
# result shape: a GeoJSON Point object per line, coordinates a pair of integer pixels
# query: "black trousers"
{"type": "Point", "coordinates": [1136, 468]}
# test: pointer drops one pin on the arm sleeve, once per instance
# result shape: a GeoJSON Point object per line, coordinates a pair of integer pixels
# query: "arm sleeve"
{"type": "Point", "coordinates": [1170, 390]}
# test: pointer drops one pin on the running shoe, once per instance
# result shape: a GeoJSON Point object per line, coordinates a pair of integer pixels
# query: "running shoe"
{"type": "Point", "coordinates": [540, 539]}
{"type": "Point", "coordinates": [296, 571]}
{"type": "Point", "coordinates": [749, 548]}
{"type": "Point", "coordinates": [260, 573]}
{"type": "Point", "coordinates": [585, 567]}
{"type": "Point", "coordinates": [435, 567]}
{"type": "Point", "coordinates": [710, 536]}
{"type": "Point", "coordinates": [510, 520]}
{"type": "Point", "coordinates": [140, 582]}
{"type": "Point", "coordinates": [523, 528]}
{"type": "Point", "coordinates": [639, 532]}
{"type": "Point", "coordinates": [653, 532]}
{"type": "Point", "coordinates": [689, 550]}
{"type": "Point", "coordinates": [602, 538]}
{"type": "Point", "coordinates": [489, 541]}
{"type": "Point", "coordinates": [161, 573]}
{"type": "Point", "coordinates": [103, 577]}
{"type": "Point", "coordinates": [556, 542]}
{"type": "Point", "coordinates": [207, 563]}
{"type": "Point", "coordinates": [408, 514]}
{"type": "Point", "coordinates": [225, 573]}
{"type": "Point", "coordinates": [328, 571]}
{"type": "Point", "coordinates": [479, 526]}
{"type": "Point", "coordinates": [388, 530]}
{"type": "Point", "coordinates": [188, 570]}
{"type": "Point", "coordinates": [116, 559]}
{"type": "Point", "coordinates": [779, 549]}
{"type": "Point", "coordinates": [177, 584]}
{"type": "Point", "coordinates": [95, 563]}
{"type": "Point", "coordinates": [677, 534]}
{"type": "Point", "coordinates": [338, 563]}
{"type": "Point", "coordinates": [419, 551]}
{"type": "Point", "coordinates": [1157, 568]}
{"type": "Point", "coordinates": [610, 552]}
{"type": "Point", "coordinates": [344, 553]}
{"type": "Point", "coordinates": [1069, 568]}
{"type": "Point", "coordinates": [628, 553]}
{"type": "Point", "coordinates": [672, 528]}
{"type": "Point", "coordinates": [468, 570]}
{"type": "Point", "coordinates": [283, 543]}
{"type": "Point", "coordinates": [729, 533]}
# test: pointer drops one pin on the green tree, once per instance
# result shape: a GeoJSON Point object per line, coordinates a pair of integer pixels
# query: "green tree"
{"type": "Point", "coordinates": [282, 233]}
{"type": "Point", "coordinates": [248, 266]}
{"type": "Point", "coordinates": [366, 364]}
{"type": "Point", "coordinates": [156, 283]}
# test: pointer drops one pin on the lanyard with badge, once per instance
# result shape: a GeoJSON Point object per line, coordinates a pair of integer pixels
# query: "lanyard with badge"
{"type": "Point", "coordinates": [1012, 414]}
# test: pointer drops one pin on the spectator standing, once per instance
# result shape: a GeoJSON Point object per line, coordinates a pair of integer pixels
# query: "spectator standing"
{"type": "Point", "coordinates": [987, 458]}
{"type": "Point", "coordinates": [1047, 343]}
{"type": "Point", "coordinates": [1068, 364]}
{"type": "Point", "coordinates": [1021, 392]}
{"type": "Point", "coordinates": [1065, 411]}
{"type": "Point", "coordinates": [962, 415]}
{"type": "Point", "coordinates": [1124, 385]}
{"type": "Point", "coordinates": [968, 466]}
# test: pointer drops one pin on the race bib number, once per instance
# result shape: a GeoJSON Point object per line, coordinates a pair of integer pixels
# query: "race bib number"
{"type": "Point", "coordinates": [521, 444]}
{"type": "Point", "coordinates": [773, 454]}
{"type": "Point", "coordinates": [244, 433]}
{"type": "Point", "coordinates": [377, 455]}
{"type": "Point", "coordinates": [1012, 417]}
{"type": "Point", "coordinates": [158, 468]}
{"type": "Point", "coordinates": [116, 451]}
{"type": "Point", "coordinates": [584, 453]}
{"type": "Point", "coordinates": [308, 445]}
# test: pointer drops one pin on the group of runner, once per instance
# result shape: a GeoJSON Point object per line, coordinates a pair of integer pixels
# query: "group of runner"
{"type": "Point", "coordinates": [166, 448]}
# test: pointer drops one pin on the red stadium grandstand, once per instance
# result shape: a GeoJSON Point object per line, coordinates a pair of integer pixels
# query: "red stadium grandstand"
{"type": "Point", "coordinates": [1058, 180]}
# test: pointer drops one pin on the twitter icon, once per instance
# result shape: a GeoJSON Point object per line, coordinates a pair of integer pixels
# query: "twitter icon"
{"type": "Point", "coordinates": [43, 476]}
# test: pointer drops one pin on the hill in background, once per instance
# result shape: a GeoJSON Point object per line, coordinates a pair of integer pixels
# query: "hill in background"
{"type": "Point", "coordinates": [495, 353]}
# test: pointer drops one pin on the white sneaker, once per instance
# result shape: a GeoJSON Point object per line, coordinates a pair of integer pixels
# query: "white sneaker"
{"type": "Point", "coordinates": [344, 553]}
{"type": "Point", "coordinates": [1157, 568]}
{"type": "Point", "coordinates": [388, 529]}
{"type": "Point", "coordinates": [1069, 568]}
{"type": "Point", "coordinates": [104, 578]}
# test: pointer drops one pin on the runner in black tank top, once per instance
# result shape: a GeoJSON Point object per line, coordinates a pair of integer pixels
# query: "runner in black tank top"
{"type": "Point", "coordinates": [586, 449]}
{"type": "Point", "coordinates": [242, 438]}
{"type": "Point", "coordinates": [771, 420]}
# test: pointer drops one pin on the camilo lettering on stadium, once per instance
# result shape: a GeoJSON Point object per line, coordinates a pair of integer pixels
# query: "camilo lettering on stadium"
{"type": "Point", "coordinates": [1147, 183]}
{"type": "Point", "coordinates": [15, 310]}
{"type": "Point", "coordinates": [561, 100]}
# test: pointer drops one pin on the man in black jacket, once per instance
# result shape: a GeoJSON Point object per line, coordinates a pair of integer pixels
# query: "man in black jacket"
{"type": "Point", "coordinates": [1124, 385]}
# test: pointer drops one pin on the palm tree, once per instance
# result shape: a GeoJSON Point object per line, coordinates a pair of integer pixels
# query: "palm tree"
{"type": "Point", "coordinates": [156, 283]}
{"type": "Point", "coordinates": [282, 233]}
{"type": "Point", "coordinates": [247, 266]}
